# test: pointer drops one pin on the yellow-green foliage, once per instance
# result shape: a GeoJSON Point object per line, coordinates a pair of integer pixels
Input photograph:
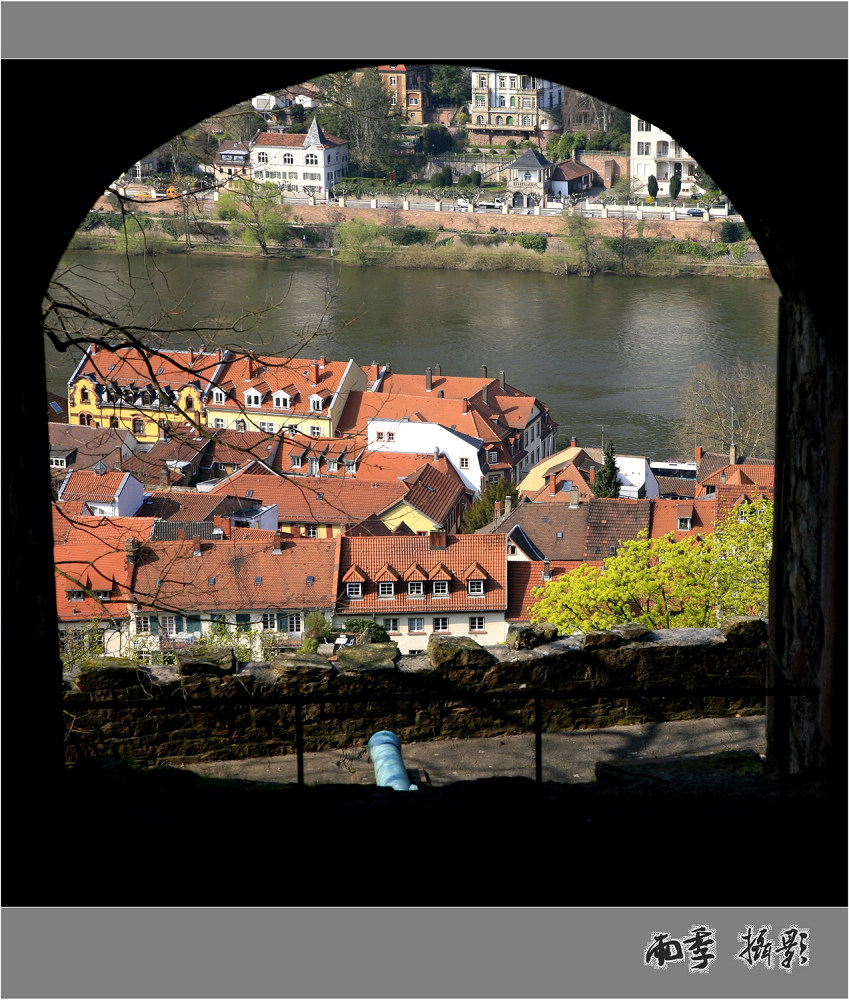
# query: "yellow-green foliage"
{"type": "Point", "coordinates": [662, 583]}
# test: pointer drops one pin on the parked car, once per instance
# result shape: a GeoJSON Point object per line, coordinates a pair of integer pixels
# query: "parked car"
{"type": "Point", "coordinates": [695, 211]}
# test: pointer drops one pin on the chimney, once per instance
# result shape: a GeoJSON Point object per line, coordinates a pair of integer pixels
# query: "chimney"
{"type": "Point", "coordinates": [508, 505]}
{"type": "Point", "coordinates": [699, 453]}
{"type": "Point", "coordinates": [573, 497]}
{"type": "Point", "coordinates": [485, 395]}
{"type": "Point", "coordinates": [131, 547]}
{"type": "Point", "coordinates": [592, 476]}
{"type": "Point", "coordinates": [552, 484]}
{"type": "Point", "coordinates": [497, 511]}
{"type": "Point", "coordinates": [313, 372]}
{"type": "Point", "coordinates": [501, 379]}
{"type": "Point", "coordinates": [92, 350]}
{"type": "Point", "coordinates": [118, 458]}
{"type": "Point", "coordinates": [196, 549]}
{"type": "Point", "coordinates": [573, 442]}
{"type": "Point", "coordinates": [437, 539]}
{"type": "Point", "coordinates": [323, 361]}
{"type": "Point", "coordinates": [191, 355]}
{"type": "Point", "coordinates": [546, 569]}
{"type": "Point", "coordinates": [465, 406]}
{"type": "Point", "coordinates": [223, 523]}
{"type": "Point", "coordinates": [277, 545]}
{"type": "Point", "coordinates": [388, 369]}
{"type": "Point", "coordinates": [440, 393]}
{"type": "Point", "coordinates": [437, 370]}
{"type": "Point", "coordinates": [250, 368]}
{"type": "Point", "coordinates": [732, 454]}
{"type": "Point", "coordinates": [722, 477]}
{"type": "Point", "coordinates": [428, 379]}
{"type": "Point", "coordinates": [483, 371]}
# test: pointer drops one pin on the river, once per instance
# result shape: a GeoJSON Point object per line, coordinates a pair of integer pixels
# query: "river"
{"type": "Point", "coordinates": [602, 352]}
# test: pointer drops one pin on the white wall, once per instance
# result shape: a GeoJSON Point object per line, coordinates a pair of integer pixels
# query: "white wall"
{"type": "Point", "coordinates": [422, 438]}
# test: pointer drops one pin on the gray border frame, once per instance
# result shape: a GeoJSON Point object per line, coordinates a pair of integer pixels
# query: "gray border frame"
{"type": "Point", "coordinates": [547, 951]}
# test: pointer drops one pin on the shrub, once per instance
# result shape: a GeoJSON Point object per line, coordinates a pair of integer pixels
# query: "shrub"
{"type": "Point", "coordinates": [91, 221]}
{"type": "Point", "coordinates": [476, 177]}
{"type": "Point", "coordinates": [309, 645]}
{"type": "Point", "coordinates": [464, 181]}
{"type": "Point", "coordinates": [167, 226]}
{"type": "Point", "coordinates": [360, 625]}
{"type": "Point", "coordinates": [114, 220]}
{"type": "Point", "coordinates": [316, 626]}
{"type": "Point", "coordinates": [532, 241]}
{"type": "Point", "coordinates": [733, 232]}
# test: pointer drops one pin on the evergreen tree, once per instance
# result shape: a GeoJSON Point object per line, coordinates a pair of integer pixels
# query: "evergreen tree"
{"type": "Point", "coordinates": [482, 511]}
{"type": "Point", "coordinates": [652, 186]}
{"type": "Point", "coordinates": [674, 186]}
{"type": "Point", "coordinates": [607, 478]}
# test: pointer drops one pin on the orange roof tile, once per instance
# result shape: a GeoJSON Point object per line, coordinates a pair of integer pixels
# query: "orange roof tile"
{"type": "Point", "coordinates": [410, 556]}
{"type": "Point", "coordinates": [297, 377]}
{"type": "Point", "coordinates": [247, 575]}
{"type": "Point", "coordinates": [127, 365]}
{"type": "Point", "coordinates": [88, 566]}
{"type": "Point", "coordinates": [523, 577]}
{"type": "Point", "coordinates": [83, 484]}
{"type": "Point", "coordinates": [665, 515]}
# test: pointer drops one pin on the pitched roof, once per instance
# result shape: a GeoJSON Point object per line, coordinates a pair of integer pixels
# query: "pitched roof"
{"type": "Point", "coordinates": [535, 476]}
{"type": "Point", "coordinates": [434, 493]}
{"type": "Point", "coordinates": [405, 552]}
{"type": "Point", "coordinates": [297, 140]}
{"type": "Point", "coordinates": [556, 531]}
{"type": "Point", "coordinates": [72, 527]}
{"type": "Point", "coordinates": [57, 409]}
{"type": "Point", "coordinates": [529, 160]}
{"type": "Point", "coordinates": [314, 499]}
{"type": "Point", "coordinates": [673, 485]}
{"type": "Point", "coordinates": [130, 366]}
{"type": "Point", "coordinates": [665, 515]}
{"type": "Point", "coordinates": [187, 505]}
{"type": "Point", "coordinates": [297, 377]}
{"type": "Point", "coordinates": [87, 485]}
{"type": "Point", "coordinates": [611, 520]}
{"type": "Point", "coordinates": [560, 483]}
{"type": "Point", "coordinates": [523, 577]}
{"type": "Point", "coordinates": [569, 170]}
{"type": "Point", "coordinates": [91, 444]}
{"type": "Point", "coordinates": [364, 406]}
{"type": "Point", "coordinates": [88, 566]}
{"type": "Point", "coordinates": [246, 573]}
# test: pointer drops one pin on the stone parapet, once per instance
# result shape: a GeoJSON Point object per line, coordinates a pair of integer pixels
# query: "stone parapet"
{"type": "Point", "coordinates": [164, 715]}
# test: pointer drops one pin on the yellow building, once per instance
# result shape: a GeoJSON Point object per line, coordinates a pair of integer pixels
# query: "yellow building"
{"type": "Point", "coordinates": [144, 392]}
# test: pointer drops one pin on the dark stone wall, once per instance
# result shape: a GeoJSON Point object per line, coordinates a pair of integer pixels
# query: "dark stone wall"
{"type": "Point", "coordinates": [162, 716]}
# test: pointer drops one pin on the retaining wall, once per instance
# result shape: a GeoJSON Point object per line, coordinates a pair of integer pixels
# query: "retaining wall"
{"type": "Point", "coordinates": [203, 711]}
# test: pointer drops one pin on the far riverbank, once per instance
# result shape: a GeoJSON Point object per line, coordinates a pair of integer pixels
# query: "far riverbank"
{"type": "Point", "coordinates": [442, 240]}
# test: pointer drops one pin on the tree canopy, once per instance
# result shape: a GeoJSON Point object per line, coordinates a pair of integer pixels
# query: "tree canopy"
{"type": "Point", "coordinates": [357, 107]}
{"type": "Point", "coordinates": [663, 583]}
{"type": "Point", "coordinates": [450, 84]}
{"type": "Point", "coordinates": [256, 206]}
{"type": "Point", "coordinates": [482, 511]}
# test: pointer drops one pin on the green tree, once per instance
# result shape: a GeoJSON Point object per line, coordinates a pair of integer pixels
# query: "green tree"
{"type": "Point", "coordinates": [662, 583]}
{"type": "Point", "coordinates": [450, 85]}
{"type": "Point", "coordinates": [583, 242]}
{"type": "Point", "coordinates": [359, 108]}
{"type": "Point", "coordinates": [607, 477]}
{"type": "Point", "coordinates": [652, 186]}
{"type": "Point", "coordinates": [359, 626]}
{"type": "Point", "coordinates": [674, 186]}
{"type": "Point", "coordinates": [711, 191]}
{"type": "Point", "coordinates": [482, 511]}
{"type": "Point", "coordinates": [436, 139]}
{"type": "Point", "coordinates": [358, 240]}
{"type": "Point", "coordinates": [256, 207]}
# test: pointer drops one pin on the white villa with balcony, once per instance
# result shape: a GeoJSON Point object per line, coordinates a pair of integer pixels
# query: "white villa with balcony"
{"type": "Point", "coordinates": [512, 105]}
{"type": "Point", "coordinates": [309, 163]}
{"type": "Point", "coordinates": [655, 152]}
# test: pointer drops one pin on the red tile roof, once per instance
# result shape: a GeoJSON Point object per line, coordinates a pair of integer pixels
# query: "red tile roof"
{"type": "Point", "coordinates": [299, 378]}
{"type": "Point", "coordinates": [187, 505]}
{"type": "Point", "coordinates": [316, 499]}
{"type": "Point", "coordinates": [73, 527]}
{"type": "Point", "coordinates": [665, 515]}
{"type": "Point", "coordinates": [408, 555]}
{"type": "Point", "coordinates": [128, 365]}
{"type": "Point", "coordinates": [248, 575]}
{"type": "Point", "coordinates": [523, 577]}
{"type": "Point", "coordinates": [86, 485]}
{"type": "Point", "coordinates": [293, 140]}
{"type": "Point", "coordinates": [88, 566]}
{"type": "Point", "coordinates": [613, 520]}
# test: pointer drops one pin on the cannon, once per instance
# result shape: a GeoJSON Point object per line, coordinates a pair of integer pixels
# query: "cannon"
{"type": "Point", "coordinates": [385, 752]}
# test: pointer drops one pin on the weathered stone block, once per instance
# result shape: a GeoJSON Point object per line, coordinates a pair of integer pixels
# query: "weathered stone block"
{"type": "Point", "coordinates": [744, 630]}
{"type": "Point", "coordinates": [530, 636]}
{"type": "Point", "coordinates": [218, 660]}
{"type": "Point", "coordinates": [457, 651]}
{"type": "Point", "coordinates": [370, 656]}
{"type": "Point", "coordinates": [632, 632]}
{"type": "Point", "coordinates": [602, 640]}
{"type": "Point", "coordinates": [112, 673]}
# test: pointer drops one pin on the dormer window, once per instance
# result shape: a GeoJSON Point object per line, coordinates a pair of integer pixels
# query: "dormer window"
{"type": "Point", "coordinates": [684, 523]}
{"type": "Point", "coordinates": [440, 588]}
{"type": "Point", "coordinates": [354, 591]}
{"type": "Point", "coordinates": [415, 588]}
{"type": "Point", "coordinates": [75, 595]}
{"type": "Point", "coordinates": [316, 403]}
{"type": "Point", "coordinates": [217, 395]}
{"type": "Point", "coordinates": [282, 401]}
{"type": "Point", "coordinates": [386, 590]}
{"type": "Point", "coordinates": [296, 461]}
{"type": "Point", "coordinates": [253, 399]}
{"type": "Point", "coordinates": [475, 588]}
{"type": "Point", "coordinates": [103, 595]}
{"type": "Point", "coordinates": [492, 457]}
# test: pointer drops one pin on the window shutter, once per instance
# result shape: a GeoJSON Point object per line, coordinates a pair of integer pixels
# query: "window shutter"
{"type": "Point", "coordinates": [178, 623]}
{"type": "Point", "coordinates": [282, 622]}
{"type": "Point", "coordinates": [154, 625]}
{"type": "Point", "coordinates": [193, 623]}
{"type": "Point", "coordinates": [243, 621]}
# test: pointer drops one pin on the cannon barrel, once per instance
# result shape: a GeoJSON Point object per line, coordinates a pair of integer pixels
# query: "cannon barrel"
{"type": "Point", "coordinates": [385, 752]}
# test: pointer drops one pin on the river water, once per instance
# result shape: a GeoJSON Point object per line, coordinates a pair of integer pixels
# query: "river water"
{"type": "Point", "coordinates": [602, 352]}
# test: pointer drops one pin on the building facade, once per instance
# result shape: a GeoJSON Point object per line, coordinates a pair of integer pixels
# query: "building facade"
{"type": "Point", "coordinates": [308, 164]}
{"type": "Point", "coordinates": [509, 105]}
{"type": "Point", "coordinates": [408, 87]}
{"type": "Point", "coordinates": [656, 153]}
